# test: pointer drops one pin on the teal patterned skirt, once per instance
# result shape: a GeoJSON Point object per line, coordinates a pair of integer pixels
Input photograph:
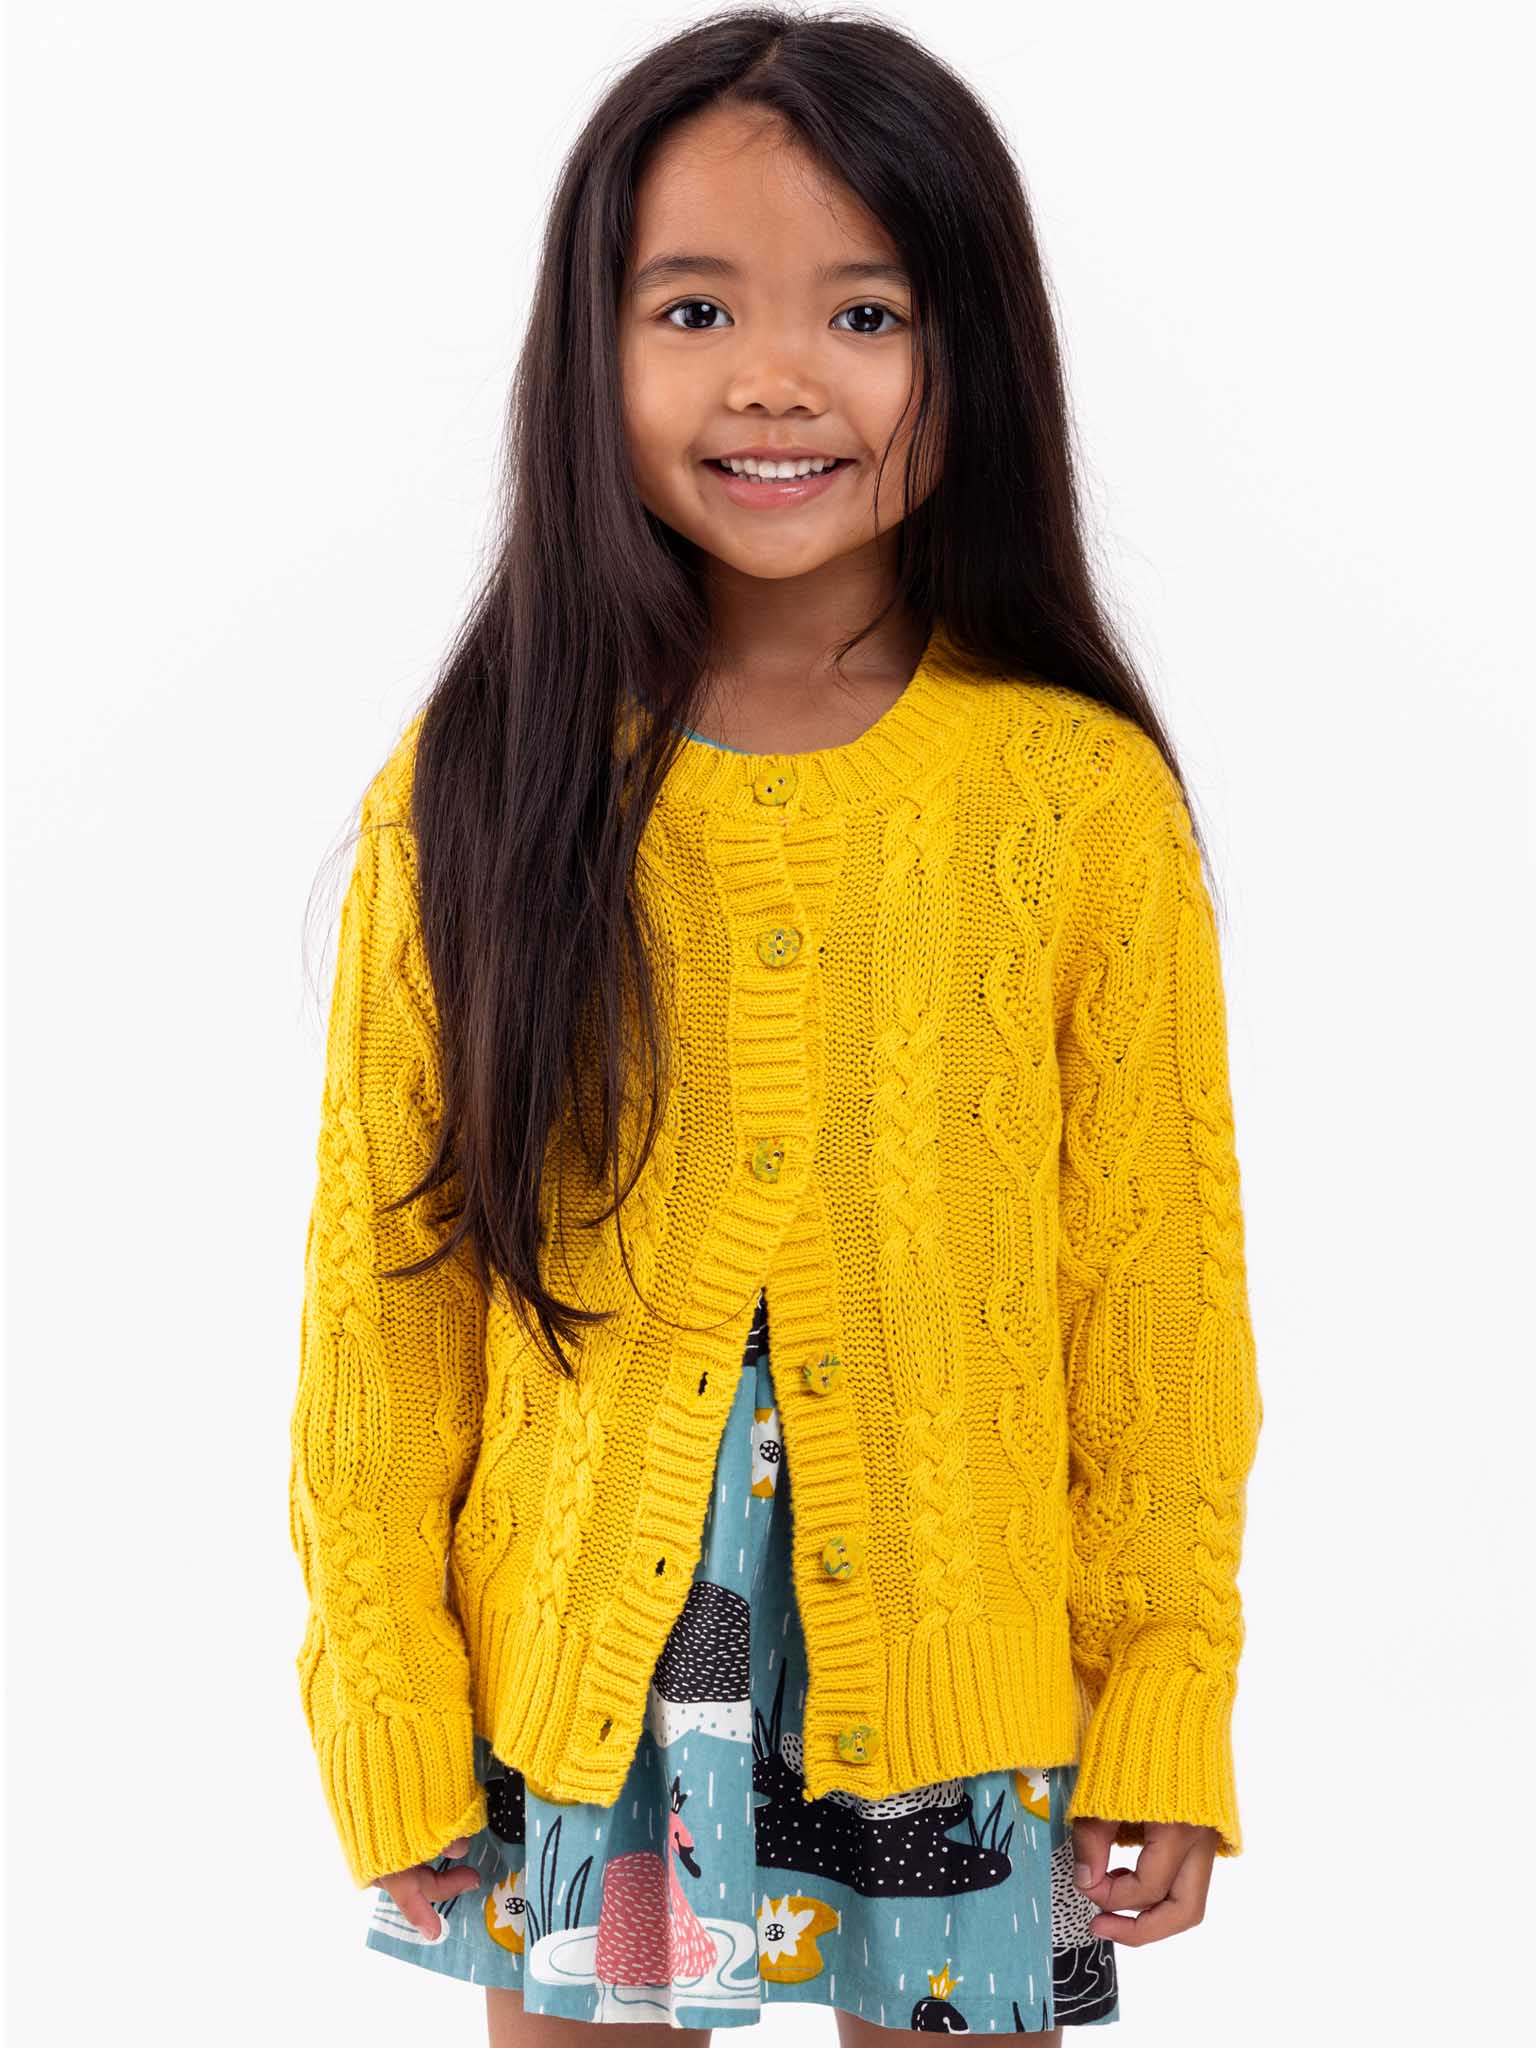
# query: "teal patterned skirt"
{"type": "Point", "coordinates": [711, 1887]}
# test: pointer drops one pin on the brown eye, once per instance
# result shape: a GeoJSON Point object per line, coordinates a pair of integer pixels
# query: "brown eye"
{"type": "Point", "coordinates": [684, 305]}
{"type": "Point", "coordinates": [877, 311]}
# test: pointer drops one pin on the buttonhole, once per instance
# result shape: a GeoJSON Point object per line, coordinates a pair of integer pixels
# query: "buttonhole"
{"type": "Point", "coordinates": [661, 1565]}
{"type": "Point", "coordinates": [602, 1733]}
{"type": "Point", "coordinates": [703, 1381]}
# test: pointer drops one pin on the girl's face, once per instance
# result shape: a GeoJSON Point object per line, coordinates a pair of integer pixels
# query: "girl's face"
{"type": "Point", "coordinates": [782, 320]}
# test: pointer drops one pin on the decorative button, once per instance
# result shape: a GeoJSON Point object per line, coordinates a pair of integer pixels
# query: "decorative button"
{"type": "Point", "coordinates": [856, 1745]}
{"type": "Point", "coordinates": [767, 1158]}
{"type": "Point", "coordinates": [778, 945]}
{"type": "Point", "coordinates": [838, 1558]}
{"type": "Point", "coordinates": [820, 1376]}
{"type": "Point", "coordinates": [776, 787]}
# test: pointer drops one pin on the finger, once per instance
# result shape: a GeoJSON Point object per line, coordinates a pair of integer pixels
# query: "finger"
{"type": "Point", "coordinates": [414, 1908]}
{"type": "Point", "coordinates": [459, 1846]}
{"type": "Point", "coordinates": [415, 1903]}
{"type": "Point", "coordinates": [1149, 1880]}
{"type": "Point", "coordinates": [1192, 1879]}
{"type": "Point", "coordinates": [413, 1891]}
{"type": "Point", "coordinates": [447, 1884]}
{"type": "Point", "coordinates": [1135, 1930]}
{"type": "Point", "coordinates": [428, 1921]}
{"type": "Point", "coordinates": [1092, 1840]}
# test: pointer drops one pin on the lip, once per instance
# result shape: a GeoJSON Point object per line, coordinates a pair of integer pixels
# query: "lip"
{"type": "Point", "coordinates": [783, 492]}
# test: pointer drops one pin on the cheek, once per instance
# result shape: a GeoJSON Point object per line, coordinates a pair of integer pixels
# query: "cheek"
{"type": "Point", "coordinates": [646, 410]}
{"type": "Point", "coordinates": [886, 412]}
{"type": "Point", "coordinates": [656, 397]}
{"type": "Point", "coordinates": [885, 424]}
{"type": "Point", "coordinates": [657, 441]}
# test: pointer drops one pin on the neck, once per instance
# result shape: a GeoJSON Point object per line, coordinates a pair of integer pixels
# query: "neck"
{"type": "Point", "coordinates": [897, 751]}
{"type": "Point", "coordinates": [780, 697]}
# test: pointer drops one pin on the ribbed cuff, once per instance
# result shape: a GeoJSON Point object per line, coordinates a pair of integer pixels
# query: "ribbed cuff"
{"type": "Point", "coordinates": [400, 1788]}
{"type": "Point", "coordinates": [1159, 1747]}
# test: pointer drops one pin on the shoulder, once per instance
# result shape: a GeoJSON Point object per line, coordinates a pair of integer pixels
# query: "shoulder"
{"type": "Point", "coordinates": [387, 799]}
{"type": "Point", "coordinates": [1092, 760]}
{"type": "Point", "coordinates": [384, 862]}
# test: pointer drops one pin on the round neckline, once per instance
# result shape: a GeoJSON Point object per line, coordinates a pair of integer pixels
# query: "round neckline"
{"type": "Point", "coordinates": [903, 743]}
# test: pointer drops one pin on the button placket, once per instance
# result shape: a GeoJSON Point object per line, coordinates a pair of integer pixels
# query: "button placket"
{"type": "Point", "coordinates": [775, 945]}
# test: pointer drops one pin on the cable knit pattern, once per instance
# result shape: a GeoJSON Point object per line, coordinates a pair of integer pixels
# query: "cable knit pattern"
{"type": "Point", "coordinates": [915, 932]}
{"type": "Point", "coordinates": [949, 1079]}
{"type": "Point", "coordinates": [386, 1423]}
{"type": "Point", "coordinates": [1164, 1404]}
{"type": "Point", "coordinates": [1035, 857]}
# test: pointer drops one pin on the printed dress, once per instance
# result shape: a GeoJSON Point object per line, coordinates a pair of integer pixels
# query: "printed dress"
{"type": "Point", "coordinates": [711, 1887]}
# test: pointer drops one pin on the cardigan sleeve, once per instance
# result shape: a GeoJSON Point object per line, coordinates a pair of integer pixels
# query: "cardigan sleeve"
{"type": "Point", "coordinates": [386, 1420]}
{"type": "Point", "coordinates": [1163, 1401]}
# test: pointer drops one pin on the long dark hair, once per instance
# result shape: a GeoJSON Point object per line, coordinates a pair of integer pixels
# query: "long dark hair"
{"type": "Point", "coordinates": [525, 814]}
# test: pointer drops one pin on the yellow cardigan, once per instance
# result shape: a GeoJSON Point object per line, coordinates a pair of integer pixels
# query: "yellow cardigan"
{"type": "Point", "coordinates": [951, 1081]}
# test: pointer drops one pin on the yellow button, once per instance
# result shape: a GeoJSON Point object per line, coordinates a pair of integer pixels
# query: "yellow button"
{"type": "Point", "coordinates": [856, 1745]}
{"type": "Point", "coordinates": [779, 944]}
{"type": "Point", "coordinates": [767, 1158]}
{"type": "Point", "coordinates": [838, 1557]}
{"type": "Point", "coordinates": [820, 1376]}
{"type": "Point", "coordinates": [776, 787]}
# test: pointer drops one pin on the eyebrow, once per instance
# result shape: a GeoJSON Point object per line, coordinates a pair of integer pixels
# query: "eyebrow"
{"type": "Point", "coordinates": [664, 269]}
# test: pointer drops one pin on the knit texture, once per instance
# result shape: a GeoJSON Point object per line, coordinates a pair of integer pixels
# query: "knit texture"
{"type": "Point", "coordinates": [971, 1126]}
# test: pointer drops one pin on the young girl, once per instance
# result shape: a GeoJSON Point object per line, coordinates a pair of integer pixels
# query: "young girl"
{"type": "Point", "coordinates": [777, 1385]}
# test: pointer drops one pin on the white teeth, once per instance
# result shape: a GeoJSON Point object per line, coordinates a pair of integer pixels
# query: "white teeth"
{"type": "Point", "coordinates": [750, 466]}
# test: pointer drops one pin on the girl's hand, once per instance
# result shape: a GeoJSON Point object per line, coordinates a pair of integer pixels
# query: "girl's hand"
{"type": "Point", "coordinates": [412, 1889]}
{"type": "Point", "coordinates": [1171, 1877]}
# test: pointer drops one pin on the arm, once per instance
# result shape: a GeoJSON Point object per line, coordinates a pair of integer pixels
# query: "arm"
{"type": "Point", "coordinates": [1164, 1408]}
{"type": "Point", "coordinates": [386, 1420]}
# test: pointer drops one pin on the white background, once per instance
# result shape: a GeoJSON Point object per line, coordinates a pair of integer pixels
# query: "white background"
{"type": "Point", "coordinates": [268, 269]}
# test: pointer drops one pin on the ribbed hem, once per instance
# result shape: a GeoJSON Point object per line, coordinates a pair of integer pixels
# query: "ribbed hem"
{"type": "Point", "coordinates": [400, 1788]}
{"type": "Point", "coordinates": [1159, 1747]}
{"type": "Point", "coordinates": [946, 1702]}
{"type": "Point", "coordinates": [949, 1702]}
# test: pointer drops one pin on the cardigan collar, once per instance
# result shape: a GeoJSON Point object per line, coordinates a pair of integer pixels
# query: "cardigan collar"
{"type": "Point", "coordinates": [901, 749]}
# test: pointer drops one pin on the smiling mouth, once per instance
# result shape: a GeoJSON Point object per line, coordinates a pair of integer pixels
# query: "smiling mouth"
{"type": "Point", "coordinates": [746, 476]}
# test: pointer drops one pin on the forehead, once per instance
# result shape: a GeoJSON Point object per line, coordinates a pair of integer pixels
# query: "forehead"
{"type": "Point", "coordinates": [744, 189]}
